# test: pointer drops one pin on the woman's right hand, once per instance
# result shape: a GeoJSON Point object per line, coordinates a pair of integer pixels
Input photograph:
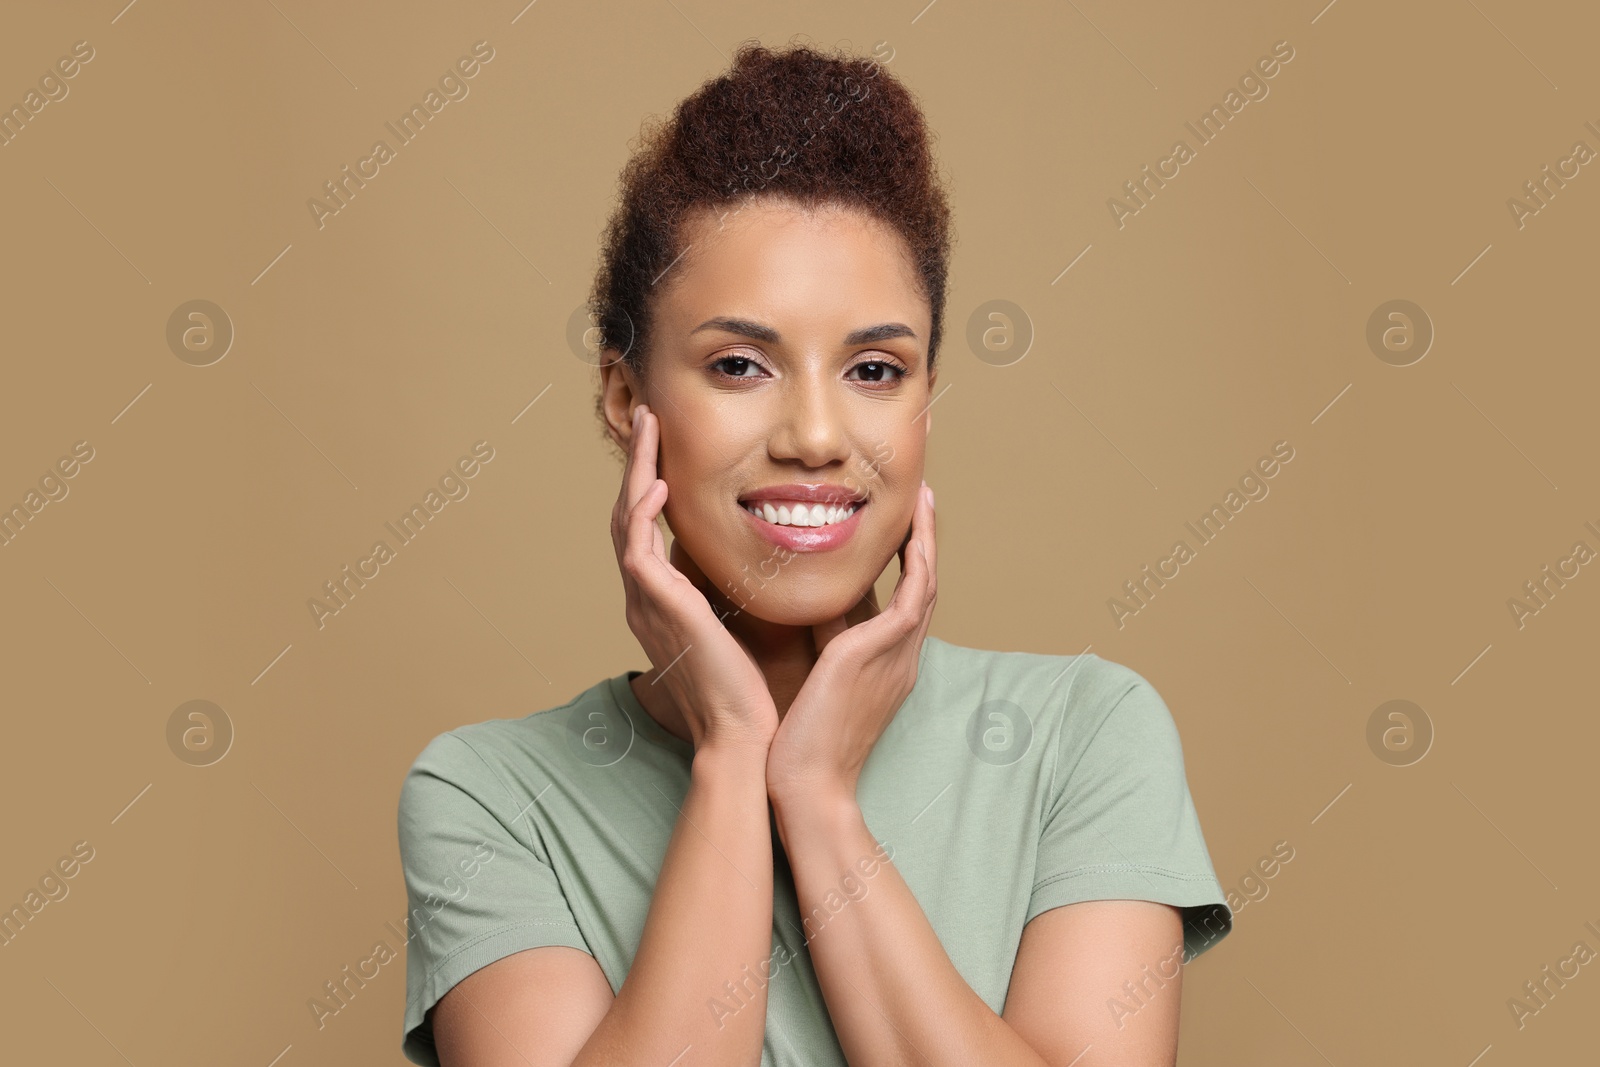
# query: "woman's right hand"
{"type": "Point", "coordinates": [709, 673]}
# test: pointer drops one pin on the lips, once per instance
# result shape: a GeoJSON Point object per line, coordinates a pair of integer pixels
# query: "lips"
{"type": "Point", "coordinates": [805, 493]}
{"type": "Point", "coordinates": [803, 538]}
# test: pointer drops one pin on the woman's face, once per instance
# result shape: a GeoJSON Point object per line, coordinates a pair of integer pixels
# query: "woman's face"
{"type": "Point", "coordinates": [788, 348]}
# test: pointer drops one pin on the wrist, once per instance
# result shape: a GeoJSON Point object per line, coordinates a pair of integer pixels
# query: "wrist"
{"type": "Point", "coordinates": [729, 761]}
{"type": "Point", "coordinates": [831, 807]}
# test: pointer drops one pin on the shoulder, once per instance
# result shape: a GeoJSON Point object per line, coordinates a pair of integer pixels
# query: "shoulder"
{"type": "Point", "coordinates": [1078, 701]}
{"type": "Point", "coordinates": [1078, 688]}
{"type": "Point", "coordinates": [479, 759]}
{"type": "Point", "coordinates": [479, 747]}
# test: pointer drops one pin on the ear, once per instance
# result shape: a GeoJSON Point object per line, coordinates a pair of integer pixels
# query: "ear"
{"type": "Point", "coordinates": [620, 393]}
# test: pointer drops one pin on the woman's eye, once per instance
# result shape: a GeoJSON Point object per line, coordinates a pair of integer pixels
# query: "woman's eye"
{"type": "Point", "coordinates": [738, 365]}
{"type": "Point", "coordinates": [875, 370]}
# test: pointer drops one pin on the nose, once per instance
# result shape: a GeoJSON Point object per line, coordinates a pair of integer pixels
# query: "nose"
{"type": "Point", "coordinates": [810, 427]}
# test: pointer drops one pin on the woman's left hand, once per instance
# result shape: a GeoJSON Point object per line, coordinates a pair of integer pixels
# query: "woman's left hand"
{"type": "Point", "coordinates": [862, 675]}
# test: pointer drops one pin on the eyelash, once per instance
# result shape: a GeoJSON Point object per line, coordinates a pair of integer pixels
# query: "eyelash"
{"type": "Point", "coordinates": [901, 372]}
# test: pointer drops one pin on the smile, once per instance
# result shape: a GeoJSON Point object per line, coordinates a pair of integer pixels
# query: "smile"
{"type": "Point", "coordinates": [802, 527]}
{"type": "Point", "coordinates": [798, 513]}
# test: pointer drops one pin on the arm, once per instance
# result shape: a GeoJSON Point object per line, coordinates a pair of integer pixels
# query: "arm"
{"type": "Point", "coordinates": [895, 997]}
{"type": "Point", "coordinates": [710, 923]}
{"type": "Point", "coordinates": [1106, 974]}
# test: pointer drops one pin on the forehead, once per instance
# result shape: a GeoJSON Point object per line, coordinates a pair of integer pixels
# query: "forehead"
{"type": "Point", "coordinates": [771, 257]}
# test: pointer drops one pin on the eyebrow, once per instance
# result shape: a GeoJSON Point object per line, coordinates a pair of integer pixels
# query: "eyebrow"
{"type": "Point", "coordinates": [866, 335]}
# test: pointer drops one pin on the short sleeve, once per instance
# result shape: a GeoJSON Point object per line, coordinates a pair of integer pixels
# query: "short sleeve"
{"type": "Point", "coordinates": [1120, 823]}
{"type": "Point", "coordinates": [479, 885]}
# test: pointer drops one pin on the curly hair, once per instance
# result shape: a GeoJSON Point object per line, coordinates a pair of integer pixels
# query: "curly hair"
{"type": "Point", "coordinates": [806, 126]}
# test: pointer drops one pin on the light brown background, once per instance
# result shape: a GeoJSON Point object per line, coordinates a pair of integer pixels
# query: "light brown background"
{"type": "Point", "coordinates": [1227, 315]}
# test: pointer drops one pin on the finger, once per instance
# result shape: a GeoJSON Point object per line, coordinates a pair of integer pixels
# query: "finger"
{"type": "Point", "coordinates": [685, 565]}
{"type": "Point", "coordinates": [921, 528]}
{"type": "Point", "coordinates": [910, 601]}
{"type": "Point", "coordinates": [900, 554]}
{"type": "Point", "coordinates": [642, 473]}
{"type": "Point", "coordinates": [930, 542]}
{"type": "Point", "coordinates": [642, 478]}
{"type": "Point", "coordinates": [625, 489]}
{"type": "Point", "coordinates": [650, 427]}
{"type": "Point", "coordinates": [927, 570]}
{"type": "Point", "coordinates": [894, 594]}
{"type": "Point", "coordinates": [824, 632]}
{"type": "Point", "coordinates": [642, 531]}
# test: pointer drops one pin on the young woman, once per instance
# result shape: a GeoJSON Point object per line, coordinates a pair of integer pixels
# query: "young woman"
{"type": "Point", "coordinates": [811, 834]}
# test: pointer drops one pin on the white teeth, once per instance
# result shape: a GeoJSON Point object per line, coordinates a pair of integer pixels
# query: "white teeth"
{"type": "Point", "coordinates": [801, 514]}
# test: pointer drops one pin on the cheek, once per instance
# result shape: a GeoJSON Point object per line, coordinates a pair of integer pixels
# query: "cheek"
{"type": "Point", "coordinates": [890, 463]}
{"type": "Point", "coordinates": [692, 463]}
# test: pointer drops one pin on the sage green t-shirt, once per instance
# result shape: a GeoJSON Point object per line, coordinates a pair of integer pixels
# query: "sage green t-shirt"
{"type": "Point", "coordinates": [1008, 783]}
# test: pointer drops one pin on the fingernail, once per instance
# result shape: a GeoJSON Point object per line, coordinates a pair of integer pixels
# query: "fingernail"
{"type": "Point", "coordinates": [930, 494]}
{"type": "Point", "coordinates": [636, 418]}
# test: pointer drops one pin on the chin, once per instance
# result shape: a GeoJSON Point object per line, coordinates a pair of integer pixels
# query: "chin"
{"type": "Point", "coordinates": [787, 601]}
{"type": "Point", "coordinates": [784, 612]}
